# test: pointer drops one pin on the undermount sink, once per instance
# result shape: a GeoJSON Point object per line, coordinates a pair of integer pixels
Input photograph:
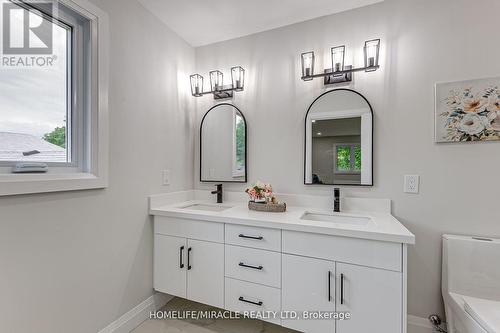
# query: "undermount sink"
{"type": "Point", "coordinates": [207, 207]}
{"type": "Point", "coordinates": [336, 218]}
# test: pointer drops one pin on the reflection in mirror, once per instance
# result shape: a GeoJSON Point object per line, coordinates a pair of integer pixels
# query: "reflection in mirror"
{"type": "Point", "coordinates": [223, 145]}
{"type": "Point", "coordinates": [339, 135]}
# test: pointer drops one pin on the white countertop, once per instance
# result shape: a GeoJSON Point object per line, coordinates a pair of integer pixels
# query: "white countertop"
{"type": "Point", "coordinates": [383, 226]}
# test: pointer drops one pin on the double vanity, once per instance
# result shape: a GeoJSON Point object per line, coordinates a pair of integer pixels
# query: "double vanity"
{"type": "Point", "coordinates": [302, 269]}
{"type": "Point", "coordinates": [304, 262]}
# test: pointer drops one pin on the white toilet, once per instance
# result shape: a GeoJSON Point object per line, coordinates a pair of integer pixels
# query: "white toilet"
{"type": "Point", "coordinates": [471, 284]}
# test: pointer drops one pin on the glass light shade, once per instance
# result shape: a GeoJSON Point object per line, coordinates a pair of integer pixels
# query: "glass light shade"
{"type": "Point", "coordinates": [216, 80]}
{"type": "Point", "coordinates": [238, 78]}
{"type": "Point", "coordinates": [196, 85]}
{"type": "Point", "coordinates": [338, 57]}
{"type": "Point", "coordinates": [372, 49]}
{"type": "Point", "coordinates": [307, 65]}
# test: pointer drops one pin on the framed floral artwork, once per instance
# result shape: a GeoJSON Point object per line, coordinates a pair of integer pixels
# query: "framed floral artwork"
{"type": "Point", "coordinates": [468, 111]}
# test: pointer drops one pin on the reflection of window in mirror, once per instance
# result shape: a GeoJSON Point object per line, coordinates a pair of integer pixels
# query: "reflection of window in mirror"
{"type": "Point", "coordinates": [336, 151]}
{"type": "Point", "coordinates": [238, 145]}
{"type": "Point", "coordinates": [347, 158]}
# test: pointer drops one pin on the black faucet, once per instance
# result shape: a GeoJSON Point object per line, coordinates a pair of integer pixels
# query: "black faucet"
{"type": "Point", "coordinates": [336, 201]}
{"type": "Point", "coordinates": [219, 193]}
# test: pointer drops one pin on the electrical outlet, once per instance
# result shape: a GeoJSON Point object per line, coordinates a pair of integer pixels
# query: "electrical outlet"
{"type": "Point", "coordinates": [412, 183]}
{"type": "Point", "coordinates": [166, 177]}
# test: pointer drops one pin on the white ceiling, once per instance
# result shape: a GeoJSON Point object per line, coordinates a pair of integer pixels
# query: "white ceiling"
{"type": "Point", "coordinates": [202, 22]}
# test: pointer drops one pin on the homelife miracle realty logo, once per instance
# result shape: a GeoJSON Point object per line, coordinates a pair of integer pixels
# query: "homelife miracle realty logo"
{"type": "Point", "coordinates": [27, 34]}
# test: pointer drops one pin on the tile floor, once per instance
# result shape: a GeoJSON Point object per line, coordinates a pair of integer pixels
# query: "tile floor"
{"type": "Point", "coordinates": [205, 326]}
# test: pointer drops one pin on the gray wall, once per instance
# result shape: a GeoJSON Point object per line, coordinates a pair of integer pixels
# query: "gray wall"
{"type": "Point", "coordinates": [424, 41]}
{"type": "Point", "coordinates": [76, 261]}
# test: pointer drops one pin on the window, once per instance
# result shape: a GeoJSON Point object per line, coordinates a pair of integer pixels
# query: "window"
{"type": "Point", "coordinates": [348, 158]}
{"type": "Point", "coordinates": [36, 113]}
{"type": "Point", "coordinates": [238, 146]}
{"type": "Point", "coordinates": [53, 95]}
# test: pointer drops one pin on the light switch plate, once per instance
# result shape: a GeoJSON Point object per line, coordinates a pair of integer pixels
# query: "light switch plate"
{"type": "Point", "coordinates": [166, 177]}
{"type": "Point", "coordinates": [412, 184]}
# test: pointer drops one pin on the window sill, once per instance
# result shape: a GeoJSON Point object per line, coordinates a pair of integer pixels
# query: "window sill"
{"type": "Point", "coordinates": [16, 184]}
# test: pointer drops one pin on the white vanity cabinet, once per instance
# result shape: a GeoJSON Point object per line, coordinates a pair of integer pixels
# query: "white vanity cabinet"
{"type": "Point", "coordinates": [362, 277]}
{"type": "Point", "coordinates": [169, 265]}
{"type": "Point", "coordinates": [308, 285]}
{"type": "Point", "coordinates": [186, 267]}
{"type": "Point", "coordinates": [373, 297]}
{"type": "Point", "coordinates": [242, 267]}
{"type": "Point", "coordinates": [205, 272]}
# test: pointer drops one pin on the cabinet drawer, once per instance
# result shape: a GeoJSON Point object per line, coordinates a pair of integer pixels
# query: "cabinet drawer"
{"type": "Point", "coordinates": [260, 238]}
{"type": "Point", "coordinates": [245, 296]}
{"type": "Point", "coordinates": [258, 266]}
{"type": "Point", "coordinates": [201, 230]}
{"type": "Point", "coordinates": [363, 252]}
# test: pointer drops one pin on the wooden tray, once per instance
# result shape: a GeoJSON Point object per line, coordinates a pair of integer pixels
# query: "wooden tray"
{"type": "Point", "coordinates": [267, 207]}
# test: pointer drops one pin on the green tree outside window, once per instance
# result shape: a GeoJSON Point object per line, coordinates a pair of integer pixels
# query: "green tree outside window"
{"type": "Point", "coordinates": [240, 142]}
{"type": "Point", "coordinates": [343, 158]}
{"type": "Point", "coordinates": [349, 158]}
{"type": "Point", "coordinates": [57, 137]}
{"type": "Point", "coordinates": [357, 158]}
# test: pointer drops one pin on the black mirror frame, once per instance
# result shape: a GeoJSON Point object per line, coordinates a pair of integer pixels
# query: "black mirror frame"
{"type": "Point", "coordinates": [246, 147]}
{"type": "Point", "coordinates": [305, 137]}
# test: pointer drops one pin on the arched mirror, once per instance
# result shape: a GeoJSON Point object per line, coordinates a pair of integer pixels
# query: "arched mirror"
{"type": "Point", "coordinates": [339, 140]}
{"type": "Point", "coordinates": [223, 145]}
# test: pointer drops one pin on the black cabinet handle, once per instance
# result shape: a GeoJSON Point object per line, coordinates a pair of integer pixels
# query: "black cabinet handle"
{"type": "Point", "coordinates": [189, 258]}
{"type": "Point", "coordinates": [181, 250]}
{"type": "Point", "coordinates": [241, 299]}
{"type": "Point", "coordinates": [250, 237]}
{"type": "Point", "coordinates": [341, 288]}
{"type": "Point", "coordinates": [249, 266]}
{"type": "Point", "coordinates": [329, 286]}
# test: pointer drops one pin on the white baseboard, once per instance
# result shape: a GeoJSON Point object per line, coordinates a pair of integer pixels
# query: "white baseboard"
{"type": "Point", "coordinates": [419, 325]}
{"type": "Point", "coordinates": [133, 318]}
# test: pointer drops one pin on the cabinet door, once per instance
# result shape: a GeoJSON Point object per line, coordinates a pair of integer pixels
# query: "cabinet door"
{"type": "Point", "coordinates": [308, 285]}
{"type": "Point", "coordinates": [372, 296]}
{"type": "Point", "coordinates": [169, 265]}
{"type": "Point", "coordinates": [205, 267]}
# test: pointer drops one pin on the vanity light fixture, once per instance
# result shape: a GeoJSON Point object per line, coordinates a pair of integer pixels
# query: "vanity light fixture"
{"type": "Point", "coordinates": [196, 85]}
{"type": "Point", "coordinates": [338, 57]}
{"type": "Point", "coordinates": [372, 48]}
{"type": "Point", "coordinates": [238, 78]}
{"type": "Point", "coordinates": [307, 65]}
{"type": "Point", "coordinates": [216, 80]}
{"type": "Point", "coordinates": [217, 87]}
{"type": "Point", "coordinates": [339, 72]}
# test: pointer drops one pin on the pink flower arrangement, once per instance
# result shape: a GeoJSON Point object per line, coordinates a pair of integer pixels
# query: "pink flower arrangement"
{"type": "Point", "coordinates": [260, 192]}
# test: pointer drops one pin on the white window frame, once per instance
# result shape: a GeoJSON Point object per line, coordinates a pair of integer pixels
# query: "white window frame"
{"type": "Point", "coordinates": [92, 155]}
{"type": "Point", "coordinates": [336, 170]}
